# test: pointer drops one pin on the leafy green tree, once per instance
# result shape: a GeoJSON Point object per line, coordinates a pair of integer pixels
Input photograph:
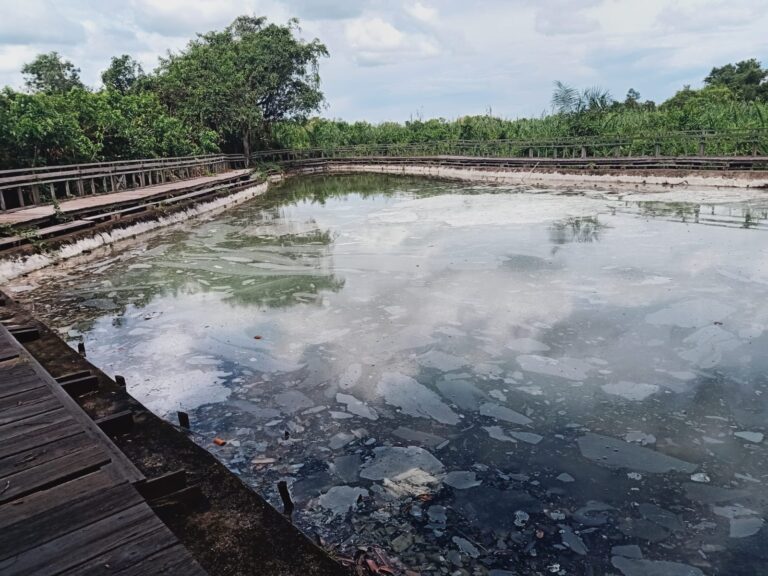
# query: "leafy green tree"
{"type": "Point", "coordinates": [123, 74]}
{"type": "Point", "coordinates": [51, 74]}
{"type": "Point", "coordinates": [243, 79]}
{"type": "Point", "coordinates": [746, 79]}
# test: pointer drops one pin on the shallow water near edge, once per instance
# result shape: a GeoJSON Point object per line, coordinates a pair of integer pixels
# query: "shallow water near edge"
{"type": "Point", "coordinates": [472, 378]}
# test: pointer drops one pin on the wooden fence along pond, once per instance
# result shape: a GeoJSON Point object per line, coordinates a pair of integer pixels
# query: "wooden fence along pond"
{"type": "Point", "coordinates": [701, 148]}
{"type": "Point", "coordinates": [733, 150]}
{"type": "Point", "coordinates": [34, 186]}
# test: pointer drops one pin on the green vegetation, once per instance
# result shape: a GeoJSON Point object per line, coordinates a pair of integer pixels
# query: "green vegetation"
{"type": "Point", "coordinates": [254, 85]}
{"type": "Point", "coordinates": [222, 92]}
{"type": "Point", "coordinates": [575, 114]}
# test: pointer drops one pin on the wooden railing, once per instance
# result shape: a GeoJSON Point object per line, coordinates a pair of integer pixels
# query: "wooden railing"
{"type": "Point", "coordinates": [33, 186]}
{"type": "Point", "coordinates": [748, 143]}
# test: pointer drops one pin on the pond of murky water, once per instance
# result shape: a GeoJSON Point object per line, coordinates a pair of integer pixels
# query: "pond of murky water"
{"type": "Point", "coordinates": [481, 380]}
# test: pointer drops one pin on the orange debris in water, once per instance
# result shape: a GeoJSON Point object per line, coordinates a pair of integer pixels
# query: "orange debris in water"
{"type": "Point", "coordinates": [219, 441]}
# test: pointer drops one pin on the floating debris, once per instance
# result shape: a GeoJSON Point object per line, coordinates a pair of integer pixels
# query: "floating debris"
{"type": "Point", "coordinates": [614, 453]}
{"type": "Point", "coordinates": [461, 480]}
{"type": "Point", "coordinates": [504, 413]}
{"type": "Point", "coordinates": [414, 399]}
{"type": "Point", "coordinates": [340, 499]}
{"type": "Point", "coordinates": [754, 437]}
{"type": "Point", "coordinates": [356, 407]}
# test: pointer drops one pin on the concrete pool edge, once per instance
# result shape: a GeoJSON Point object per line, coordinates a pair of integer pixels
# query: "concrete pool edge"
{"type": "Point", "coordinates": [650, 180]}
{"type": "Point", "coordinates": [31, 258]}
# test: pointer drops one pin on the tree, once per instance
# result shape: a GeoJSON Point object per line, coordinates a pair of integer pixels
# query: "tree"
{"type": "Point", "coordinates": [746, 79]}
{"type": "Point", "coordinates": [633, 98]}
{"type": "Point", "coordinates": [243, 79]}
{"type": "Point", "coordinates": [569, 100]}
{"type": "Point", "coordinates": [123, 74]}
{"type": "Point", "coordinates": [51, 74]}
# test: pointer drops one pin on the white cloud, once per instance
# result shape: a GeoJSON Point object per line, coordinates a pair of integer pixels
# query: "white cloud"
{"type": "Point", "coordinates": [393, 58]}
{"type": "Point", "coordinates": [376, 42]}
{"type": "Point", "coordinates": [421, 12]}
{"type": "Point", "coordinates": [566, 17]}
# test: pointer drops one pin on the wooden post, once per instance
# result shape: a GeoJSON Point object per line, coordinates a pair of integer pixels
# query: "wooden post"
{"type": "Point", "coordinates": [112, 182]}
{"type": "Point", "coordinates": [81, 349]}
{"type": "Point", "coordinates": [657, 149]}
{"type": "Point", "coordinates": [35, 194]}
{"type": "Point", "coordinates": [80, 191]}
{"type": "Point", "coordinates": [183, 419]}
{"type": "Point", "coordinates": [93, 186]}
{"type": "Point", "coordinates": [583, 151]}
{"type": "Point", "coordinates": [2, 200]}
{"type": "Point", "coordinates": [702, 147]}
{"type": "Point", "coordinates": [53, 191]}
{"type": "Point", "coordinates": [285, 496]}
{"type": "Point", "coordinates": [66, 187]}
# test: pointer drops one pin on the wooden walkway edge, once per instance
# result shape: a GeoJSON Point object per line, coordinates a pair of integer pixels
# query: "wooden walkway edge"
{"type": "Point", "coordinates": [90, 204]}
{"type": "Point", "coordinates": [67, 500]}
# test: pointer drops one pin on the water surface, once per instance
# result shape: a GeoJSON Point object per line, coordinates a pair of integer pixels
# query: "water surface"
{"type": "Point", "coordinates": [472, 378]}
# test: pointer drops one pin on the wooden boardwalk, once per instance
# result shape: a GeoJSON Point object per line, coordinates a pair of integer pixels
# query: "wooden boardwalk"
{"type": "Point", "coordinates": [87, 204]}
{"type": "Point", "coordinates": [67, 500]}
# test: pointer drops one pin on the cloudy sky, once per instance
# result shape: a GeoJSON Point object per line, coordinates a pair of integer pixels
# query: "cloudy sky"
{"type": "Point", "coordinates": [397, 59]}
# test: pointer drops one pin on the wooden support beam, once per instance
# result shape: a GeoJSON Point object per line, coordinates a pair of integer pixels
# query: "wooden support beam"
{"type": "Point", "coordinates": [25, 333]}
{"type": "Point", "coordinates": [116, 424]}
{"type": "Point", "coordinates": [81, 386]}
{"type": "Point", "coordinates": [189, 495]}
{"type": "Point", "coordinates": [73, 376]}
{"type": "Point", "coordinates": [162, 486]}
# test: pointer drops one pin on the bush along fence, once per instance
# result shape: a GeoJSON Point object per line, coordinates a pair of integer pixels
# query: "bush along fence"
{"type": "Point", "coordinates": [699, 144]}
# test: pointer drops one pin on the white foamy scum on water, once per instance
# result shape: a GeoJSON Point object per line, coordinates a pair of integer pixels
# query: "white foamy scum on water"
{"type": "Point", "coordinates": [13, 268]}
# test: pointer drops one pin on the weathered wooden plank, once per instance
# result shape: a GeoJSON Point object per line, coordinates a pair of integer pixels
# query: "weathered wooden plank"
{"type": "Point", "coordinates": [15, 401]}
{"type": "Point", "coordinates": [54, 472]}
{"type": "Point", "coordinates": [12, 385]}
{"type": "Point", "coordinates": [39, 455]}
{"type": "Point", "coordinates": [59, 520]}
{"type": "Point", "coordinates": [157, 539]}
{"type": "Point", "coordinates": [32, 423]}
{"type": "Point", "coordinates": [36, 437]}
{"type": "Point", "coordinates": [34, 504]}
{"type": "Point", "coordinates": [31, 408]}
{"type": "Point", "coordinates": [73, 548]}
{"type": "Point", "coordinates": [171, 561]}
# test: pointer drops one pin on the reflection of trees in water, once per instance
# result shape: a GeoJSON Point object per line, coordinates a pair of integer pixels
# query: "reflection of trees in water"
{"type": "Point", "coordinates": [576, 229]}
{"type": "Point", "coordinates": [276, 270]}
{"type": "Point", "coordinates": [747, 215]}
{"type": "Point", "coordinates": [320, 188]}
{"type": "Point", "coordinates": [684, 211]}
